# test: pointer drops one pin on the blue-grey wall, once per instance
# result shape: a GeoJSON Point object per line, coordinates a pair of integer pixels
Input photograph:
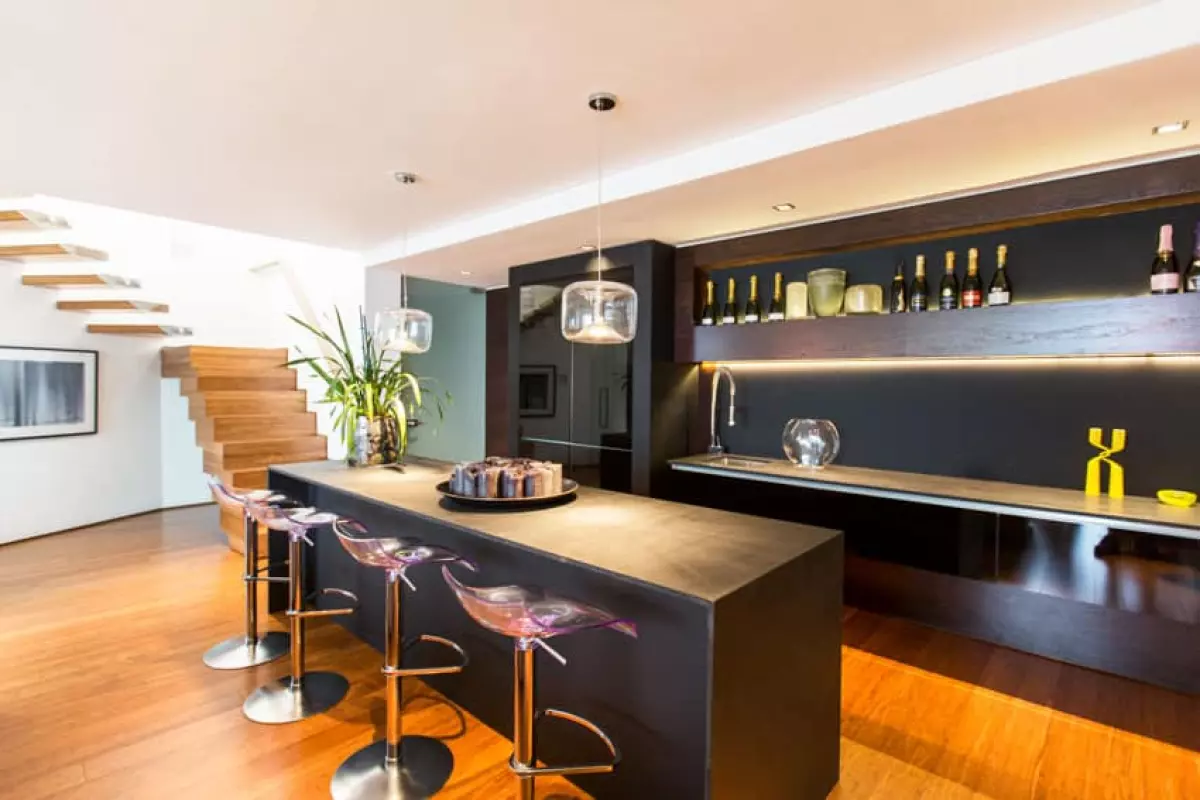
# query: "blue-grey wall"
{"type": "Point", "coordinates": [456, 360]}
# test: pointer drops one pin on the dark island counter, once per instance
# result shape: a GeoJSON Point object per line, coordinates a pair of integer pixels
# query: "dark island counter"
{"type": "Point", "coordinates": [732, 688]}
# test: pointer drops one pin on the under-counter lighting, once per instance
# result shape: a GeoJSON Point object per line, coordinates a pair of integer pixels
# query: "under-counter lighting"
{"type": "Point", "coordinates": [587, 248]}
{"type": "Point", "coordinates": [830, 365]}
{"type": "Point", "coordinates": [1170, 127]}
{"type": "Point", "coordinates": [784, 207]}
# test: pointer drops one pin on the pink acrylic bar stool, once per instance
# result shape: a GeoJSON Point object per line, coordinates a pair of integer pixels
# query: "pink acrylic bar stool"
{"type": "Point", "coordinates": [250, 649]}
{"type": "Point", "coordinates": [300, 694]}
{"type": "Point", "coordinates": [397, 767]}
{"type": "Point", "coordinates": [530, 616]}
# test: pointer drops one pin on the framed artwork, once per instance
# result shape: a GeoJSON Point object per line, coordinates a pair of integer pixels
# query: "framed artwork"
{"type": "Point", "coordinates": [536, 389]}
{"type": "Point", "coordinates": [45, 393]}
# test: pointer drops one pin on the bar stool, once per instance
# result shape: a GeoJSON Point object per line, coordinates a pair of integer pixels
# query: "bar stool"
{"type": "Point", "coordinates": [250, 649]}
{"type": "Point", "coordinates": [531, 616]}
{"type": "Point", "coordinates": [300, 694]}
{"type": "Point", "coordinates": [397, 767]}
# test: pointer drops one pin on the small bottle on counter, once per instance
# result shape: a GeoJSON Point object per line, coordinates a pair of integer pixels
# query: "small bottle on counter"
{"type": "Point", "coordinates": [753, 309]}
{"type": "Point", "coordinates": [708, 314]}
{"type": "Point", "coordinates": [729, 315]}
{"type": "Point", "coordinates": [1000, 290]}
{"type": "Point", "coordinates": [1191, 281]}
{"type": "Point", "coordinates": [775, 312]}
{"type": "Point", "coordinates": [1164, 272]}
{"type": "Point", "coordinates": [899, 301]}
{"type": "Point", "coordinates": [918, 297]}
{"type": "Point", "coordinates": [972, 288]}
{"type": "Point", "coordinates": [948, 291]}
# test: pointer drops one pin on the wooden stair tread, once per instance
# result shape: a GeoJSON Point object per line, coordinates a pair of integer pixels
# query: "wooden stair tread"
{"type": "Point", "coordinates": [147, 306]}
{"type": "Point", "coordinates": [50, 252]}
{"type": "Point", "coordinates": [147, 329]}
{"type": "Point", "coordinates": [26, 220]}
{"type": "Point", "coordinates": [281, 444]}
{"type": "Point", "coordinates": [279, 380]}
{"type": "Point", "coordinates": [254, 427]}
{"type": "Point", "coordinates": [79, 279]}
{"type": "Point", "coordinates": [255, 478]}
{"type": "Point", "coordinates": [215, 404]}
{"type": "Point", "coordinates": [190, 362]}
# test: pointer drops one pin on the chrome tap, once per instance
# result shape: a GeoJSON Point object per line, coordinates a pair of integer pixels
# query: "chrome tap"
{"type": "Point", "coordinates": [714, 443]}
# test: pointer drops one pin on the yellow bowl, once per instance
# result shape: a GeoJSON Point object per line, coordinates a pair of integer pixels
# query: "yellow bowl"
{"type": "Point", "coordinates": [1174, 497]}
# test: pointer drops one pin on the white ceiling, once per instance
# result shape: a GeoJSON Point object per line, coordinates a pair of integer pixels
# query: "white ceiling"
{"type": "Point", "coordinates": [285, 117]}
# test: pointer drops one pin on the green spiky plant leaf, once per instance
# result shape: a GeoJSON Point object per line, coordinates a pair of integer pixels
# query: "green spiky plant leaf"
{"type": "Point", "coordinates": [373, 387]}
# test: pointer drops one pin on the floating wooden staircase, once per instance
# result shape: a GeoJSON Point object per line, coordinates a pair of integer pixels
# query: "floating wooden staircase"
{"type": "Point", "coordinates": [25, 220]}
{"type": "Point", "coordinates": [248, 415]}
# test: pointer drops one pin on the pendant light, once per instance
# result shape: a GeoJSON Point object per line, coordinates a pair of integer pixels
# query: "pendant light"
{"type": "Point", "coordinates": [404, 330]}
{"type": "Point", "coordinates": [599, 311]}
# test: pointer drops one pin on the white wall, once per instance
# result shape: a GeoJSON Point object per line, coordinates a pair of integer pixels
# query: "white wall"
{"type": "Point", "coordinates": [145, 456]}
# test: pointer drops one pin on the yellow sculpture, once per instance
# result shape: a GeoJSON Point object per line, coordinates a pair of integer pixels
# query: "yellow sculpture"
{"type": "Point", "coordinates": [1116, 473]}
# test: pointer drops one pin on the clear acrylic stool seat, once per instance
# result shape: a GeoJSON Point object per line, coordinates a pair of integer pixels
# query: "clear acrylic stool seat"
{"type": "Point", "coordinates": [530, 616]}
{"type": "Point", "coordinates": [299, 694]}
{"type": "Point", "coordinates": [397, 767]}
{"type": "Point", "coordinates": [251, 648]}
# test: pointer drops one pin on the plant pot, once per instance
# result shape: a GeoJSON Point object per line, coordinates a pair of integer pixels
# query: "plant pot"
{"type": "Point", "coordinates": [376, 441]}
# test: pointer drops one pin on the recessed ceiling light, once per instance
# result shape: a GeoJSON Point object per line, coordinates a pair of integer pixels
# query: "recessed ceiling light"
{"type": "Point", "coordinates": [404, 177]}
{"type": "Point", "coordinates": [587, 247]}
{"type": "Point", "coordinates": [466, 273]}
{"type": "Point", "coordinates": [1170, 127]}
{"type": "Point", "coordinates": [784, 207]}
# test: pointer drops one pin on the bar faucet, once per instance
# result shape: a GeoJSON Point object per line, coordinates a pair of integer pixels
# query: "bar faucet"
{"type": "Point", "coordinates": [714, 444]}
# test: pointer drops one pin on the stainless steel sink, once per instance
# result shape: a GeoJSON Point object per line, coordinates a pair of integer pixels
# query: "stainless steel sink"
{"type": "Point", "coordinates": [725, 460]}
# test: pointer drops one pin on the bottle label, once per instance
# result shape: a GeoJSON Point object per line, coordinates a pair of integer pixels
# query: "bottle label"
{"type": "Point", "coordinates": [775, 316]}
{"type": "Point", "coordinates": [972, 298]}
{"type": "Point", "coordinates": [706, 321]}
{"type": "Point", "coordinates": [917, 303]}
{"type": "Point", "coordinates": [727, 320]}
{"type": "Point", "coordinates": [997, 298]}
{"type": "Point", "coordinates": [1165, 282]}
{"type": "Point", "coordinates": [948, 301]}
{"type": "Point", "coordinates": [751, 318]}
{"type": "Point", "coordinates": [1193, 283]}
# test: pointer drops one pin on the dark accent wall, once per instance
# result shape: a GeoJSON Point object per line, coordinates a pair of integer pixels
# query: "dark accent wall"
{"type": "Point", "coordinates": [496, 373]}
{"type": "Point", "coordinates": [1011, 422]}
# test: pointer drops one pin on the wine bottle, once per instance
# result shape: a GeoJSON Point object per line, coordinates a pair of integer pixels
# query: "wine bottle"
{"type": "Point", "coordinates": [918, 297]}
{"type": "Point", "coordinates": [753, 310]}
{"type": "Point", "coordinates": [1164, 272]}
{"type": "Point", "coordinates": [948, 291]}
{"type": "Point", "coordinates": [775, 310]}
{"type": "Point", "coordinates": [729, 311]}
{"type": "Point", "coordinates": [899, 301]}
{"type": "Point", "coordinates": [1000, 290]}
{"type": "Point", "coordinates": [972, 288]}
{"type": "Point", "coordinates": [708, 314]}
{"type": "Point", "coordinates": [1191, 281]}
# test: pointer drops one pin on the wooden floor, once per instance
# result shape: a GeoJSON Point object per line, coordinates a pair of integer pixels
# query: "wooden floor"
{"type": "Point", "coordinates": [103, 695]}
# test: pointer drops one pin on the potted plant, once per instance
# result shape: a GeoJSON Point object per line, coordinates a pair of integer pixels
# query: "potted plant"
{"type": "Point", "coordinates": [371, 392]}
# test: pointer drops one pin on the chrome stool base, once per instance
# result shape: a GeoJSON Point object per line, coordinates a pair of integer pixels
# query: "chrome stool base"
{"type": "Point", "coordinates": [422, 770]}
{"type": "Point", "coordinates": [283, 701]}
{"type": "Point", "coordinates": [238, 653]}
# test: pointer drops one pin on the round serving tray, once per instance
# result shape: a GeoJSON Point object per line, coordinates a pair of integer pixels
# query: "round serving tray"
{"type": "Point", "coordinates": [509, 503]}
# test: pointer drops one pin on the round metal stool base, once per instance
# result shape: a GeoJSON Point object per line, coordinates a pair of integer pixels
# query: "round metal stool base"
{"type": "Point", "coordinates": [424, 767]}
{"type": "Point", "coordinates": [237, 653]}
{"type": "Point", "coordinates": [278, 702]}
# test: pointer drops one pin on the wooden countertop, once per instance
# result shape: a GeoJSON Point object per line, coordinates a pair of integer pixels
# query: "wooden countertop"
{"type": "Point", "coordinates": [1142, 514]}
{"type": "Point", "coordinates": [691, 550]}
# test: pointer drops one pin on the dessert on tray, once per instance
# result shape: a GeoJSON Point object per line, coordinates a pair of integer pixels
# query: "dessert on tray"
{"type": "Point", "coordinates": [507, 478]}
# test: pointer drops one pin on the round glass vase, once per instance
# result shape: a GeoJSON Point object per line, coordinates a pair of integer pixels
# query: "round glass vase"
{"type": "Point", "coordinates": [376, 441]}
{"type": "Point", "coordinates": [811, 443]}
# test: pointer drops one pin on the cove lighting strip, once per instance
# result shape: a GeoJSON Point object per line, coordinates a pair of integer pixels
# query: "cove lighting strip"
{"type": "Point", "coordinates": [999, 362]}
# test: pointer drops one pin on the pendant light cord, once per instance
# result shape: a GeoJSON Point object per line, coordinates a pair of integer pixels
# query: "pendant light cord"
{"type": "Point", "coordinates": [599, 194]}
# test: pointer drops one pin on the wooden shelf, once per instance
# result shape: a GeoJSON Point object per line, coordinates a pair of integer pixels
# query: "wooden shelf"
{"type": "Point", "coordinates": [148, 329]}
{"type": "Point", "coordinates": [1167, 324]}
{"type": "Point", "coordinates": [71, 281]}
{"type": "Point", "coordinates": [50, 252]}
{"type": "Point", "coordinates": [113, 305]}
{"type": "Point", "coordinates": [1142, 514]}
{"type": "Point", "coordinates": [25, 220]}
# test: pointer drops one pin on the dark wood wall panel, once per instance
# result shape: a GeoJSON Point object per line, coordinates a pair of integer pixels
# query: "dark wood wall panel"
{"type": "Point", "coordinates": [496, 374]}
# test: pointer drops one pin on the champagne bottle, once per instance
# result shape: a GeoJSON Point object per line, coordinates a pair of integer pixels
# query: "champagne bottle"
{"type": "Point", "coordinates": [899, 301]}
{"type": "Point", "coordinates": [1164, 272]}
{"type": "Point", "coordinates": [972, 288]}
{"type": "Point", "coordinates": [1000, 290]}
{"type": "Point", "coordinates": [775, 310]}
{"type": "Point", "coordinates": [753, 310]}
{"type": "Point", "coordinates": [948, 291]}
{"type": "Point", "coordinates": [1191, 281]}
{"type": "Point", "coordinates": [708, 314]}
{"type": "Point", "coordinates": [918, 297]}
{"type": "Point", "coordinates": [729, 311]}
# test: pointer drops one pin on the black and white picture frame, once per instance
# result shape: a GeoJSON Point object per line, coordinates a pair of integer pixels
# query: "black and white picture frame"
{"type": "Point", "coordinates": [46, 393]}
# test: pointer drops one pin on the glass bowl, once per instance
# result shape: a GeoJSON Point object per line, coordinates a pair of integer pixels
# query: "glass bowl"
{"type": "Point", "coordinates": [827, 291]}
{"type": "Point", "coordinates": [811, 443]}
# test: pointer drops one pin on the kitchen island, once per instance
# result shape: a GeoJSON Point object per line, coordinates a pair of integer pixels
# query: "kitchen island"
{"type": "Point", "coordinates": [732, 689]}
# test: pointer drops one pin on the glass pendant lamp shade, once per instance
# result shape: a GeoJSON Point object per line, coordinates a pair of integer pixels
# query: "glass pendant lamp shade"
{"type": "Point", "coordinates": [599, 312]}
{"type": "Point", "coordinates": [405, 330]}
